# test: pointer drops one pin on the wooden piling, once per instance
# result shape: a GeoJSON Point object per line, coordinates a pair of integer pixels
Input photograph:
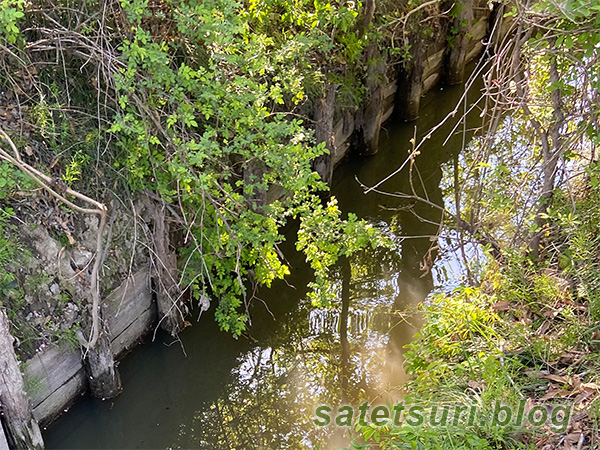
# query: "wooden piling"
{"type": "Point", "coordinates": [23, 430]}
{"type": "Point", "coordinates": [371, 117]}
{"type": "Point", "coordinates": [410, 81]}
{"type": "Point", "coordinates": [3, 441]}
{"type": "Point", "coordinates": [103, 376]}
{"type": "Point", "coordinates": [459, 42]}
{"type": "Point", "coordinates": [324, 132]}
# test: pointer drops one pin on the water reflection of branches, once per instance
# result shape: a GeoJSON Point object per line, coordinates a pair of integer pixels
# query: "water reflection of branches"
{"type": "Point", "coordinates": [503, 181]}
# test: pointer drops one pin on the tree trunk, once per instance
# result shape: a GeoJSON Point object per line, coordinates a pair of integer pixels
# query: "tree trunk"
{"type": "Point", "coordinates": [324, 111]}
{"type": "Point", "coordinates": [410, 82]}
{"type": "Point", "coordinates": [455, 67]}
{"type": "Point", "coordinates": [368, 13]}
{"type": "Point", "coordinates": [552, 143]}
{"type": "Point", "coordinates": [171, 311]}
{"type": "Point", "coordinates": [103, 376]}
{"type": "Point", "coordinates": [368, 123]}
{"type": "Point", "coordinates": [23, 430]}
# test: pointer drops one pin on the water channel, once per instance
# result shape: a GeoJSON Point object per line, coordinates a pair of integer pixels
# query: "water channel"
{"type": "Point", "coordinates": [214, 392]}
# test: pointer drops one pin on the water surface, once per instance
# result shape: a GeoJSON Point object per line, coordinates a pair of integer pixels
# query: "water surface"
{"type": "Point", "coordinates": [213, 392]}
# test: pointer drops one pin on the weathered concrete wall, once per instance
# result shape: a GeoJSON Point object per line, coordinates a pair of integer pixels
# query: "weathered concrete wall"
{"type": "Point", "coordinates": [55, 377]}
{"type": "Point", "coordinates": [394, 94]}
{"type": "Point", "coordinates": [441, 59]}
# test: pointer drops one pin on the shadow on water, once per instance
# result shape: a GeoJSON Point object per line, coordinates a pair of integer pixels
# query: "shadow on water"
{"type": "Point", "coordinates": [261, 393]}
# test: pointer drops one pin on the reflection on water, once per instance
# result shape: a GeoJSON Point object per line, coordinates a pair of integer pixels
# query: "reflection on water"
{"type": "Point", "coordinates": [261, 392]}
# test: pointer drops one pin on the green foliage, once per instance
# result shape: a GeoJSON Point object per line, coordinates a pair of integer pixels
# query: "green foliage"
{"type": "Point", "coordinates": [410, 437]}
{"type": "Point", "coordinates": [457, 327]}
{"type": "Point", "coordinates": [7, 247]}
{"type": "Point", "coordinates": [74, 169]}
{"type": "Point", "coordinates": [11, 180]}
{"type": "Point", "coordinates": [580, 243]}
{"type": "Point", "coordinates": [42, 117]}
{"type": "Point", "coordinates": [324, 237]}
{"type": "Point", "coordinates": [9, 289]}
{"type": "Point", "coordinates": [503, 189]}
{"type": "Point", "coordinates": [220, 89]}
{"type": "Point", "coordinates": [456, 358]}
{"type": "Point", "coordinates": [481, 345]}
{"type": "Point", "coordinates": [200, 105]}
{"type": "Point", "coordinates": [10, 13]}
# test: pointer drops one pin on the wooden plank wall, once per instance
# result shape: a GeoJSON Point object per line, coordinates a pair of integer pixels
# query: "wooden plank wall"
{"type": "Point", "coordinates": [3, 443]}
{"type": "Point", "coordinates": [55, 377]}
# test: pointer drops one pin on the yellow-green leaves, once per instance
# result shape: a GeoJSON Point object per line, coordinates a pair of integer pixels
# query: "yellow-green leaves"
{"type": "Point", "coordinates": [324, 237]}
{"type": "Point", "coordinates": [204, 120]}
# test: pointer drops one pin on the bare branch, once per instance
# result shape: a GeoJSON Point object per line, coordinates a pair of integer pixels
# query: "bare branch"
{"type": "Point", "coordinates": [46, 183]}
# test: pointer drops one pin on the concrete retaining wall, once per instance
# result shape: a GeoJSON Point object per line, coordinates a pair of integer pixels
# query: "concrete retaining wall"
{"type": "Point", "coordinates": [55, 377]}
{"type": "Point", "coordinates": [433, 73]}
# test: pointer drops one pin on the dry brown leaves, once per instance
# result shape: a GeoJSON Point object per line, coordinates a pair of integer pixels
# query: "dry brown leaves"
{"type": "Point", "coordinates": [581, 432]}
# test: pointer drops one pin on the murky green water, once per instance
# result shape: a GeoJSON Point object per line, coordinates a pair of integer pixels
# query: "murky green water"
{"type": "Point", "coordinates": [213, 392]}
